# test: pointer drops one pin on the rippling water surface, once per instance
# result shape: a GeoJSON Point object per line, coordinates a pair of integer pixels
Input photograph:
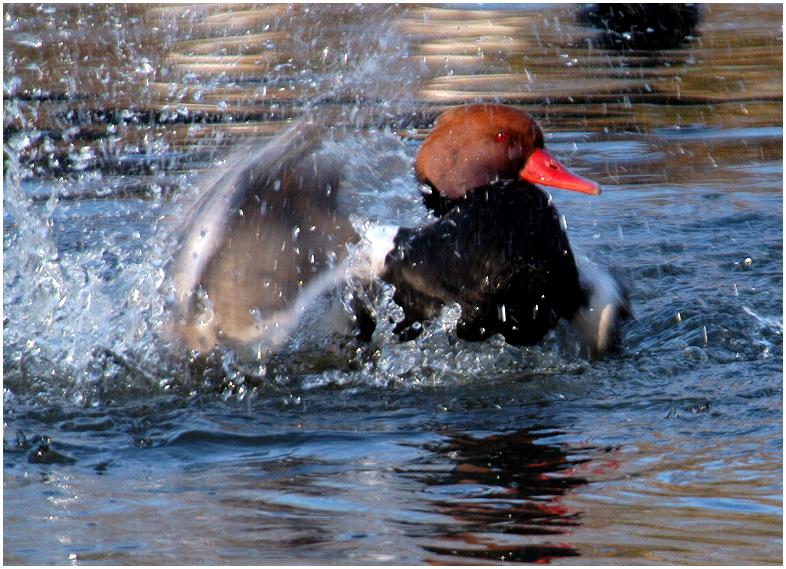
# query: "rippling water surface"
{"type": "Point", "coordinates": [116, 450]}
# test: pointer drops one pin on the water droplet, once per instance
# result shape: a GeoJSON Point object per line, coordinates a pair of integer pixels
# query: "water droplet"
{"type": "Point", "coordinates": [144, 68]}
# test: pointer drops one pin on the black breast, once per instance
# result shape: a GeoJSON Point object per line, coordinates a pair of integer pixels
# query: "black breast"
{"type": "Point", "coordinates": [501, 253]}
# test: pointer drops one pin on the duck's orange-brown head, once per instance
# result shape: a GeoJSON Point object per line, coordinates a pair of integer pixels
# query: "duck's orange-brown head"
{"type": "Point", "coordinates": [474, 145]}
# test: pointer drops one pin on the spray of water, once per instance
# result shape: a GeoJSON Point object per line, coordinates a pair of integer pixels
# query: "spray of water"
{"type": "Point", "coordinates": [86, 296]}
{"type": "Point", "coordinates": [83, 280]}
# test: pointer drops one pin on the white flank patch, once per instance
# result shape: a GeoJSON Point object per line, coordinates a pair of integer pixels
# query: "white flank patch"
{"type": "Point", "coordinates": [597, 322]}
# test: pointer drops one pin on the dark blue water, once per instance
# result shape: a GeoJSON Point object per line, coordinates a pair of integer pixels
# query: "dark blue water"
{"type": "Point", "coordinates": [666, 451]}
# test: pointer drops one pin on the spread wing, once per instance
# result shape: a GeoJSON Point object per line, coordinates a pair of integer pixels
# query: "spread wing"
{"type": "Point", "coordinates": [259, 237]}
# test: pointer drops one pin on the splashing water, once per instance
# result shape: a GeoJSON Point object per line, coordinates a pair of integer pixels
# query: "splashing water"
{"type": "Point", "coordinates": [436, 450]}
{"type": "Point", "coordinates": [92, 325]}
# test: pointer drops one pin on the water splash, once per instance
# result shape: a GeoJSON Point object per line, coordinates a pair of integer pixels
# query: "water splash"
{"type": "Point", "coordinates": [76, 317]}
{"type": "Point", "coordinates": [85, 300]}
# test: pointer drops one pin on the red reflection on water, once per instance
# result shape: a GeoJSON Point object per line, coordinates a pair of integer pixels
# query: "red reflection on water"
{"type": "Point", "coordinates": [505, 495]}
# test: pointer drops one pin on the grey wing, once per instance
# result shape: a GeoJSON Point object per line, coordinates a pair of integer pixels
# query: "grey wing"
{"type": "Point", "coordinates": [257, 239]}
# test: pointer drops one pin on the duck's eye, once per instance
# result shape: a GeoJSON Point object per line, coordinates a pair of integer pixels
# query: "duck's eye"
{"type": "Point", "coordinates": [502, 137]}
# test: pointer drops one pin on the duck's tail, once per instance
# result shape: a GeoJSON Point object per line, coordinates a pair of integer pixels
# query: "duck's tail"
{"type": "Point", "coordinates": [608, 305]}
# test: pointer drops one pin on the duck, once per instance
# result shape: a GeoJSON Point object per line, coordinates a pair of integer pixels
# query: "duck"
{"type": "Point", "coordinates": [266, 238]}
{"type": "Point", "coordinates": [499, 247]}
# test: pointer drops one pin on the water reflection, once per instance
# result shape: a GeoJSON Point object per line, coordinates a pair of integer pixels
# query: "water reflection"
{"type": "Point", "coordinates": [467, 499]}
{"type": "Point", "coordinates": [109, 109]}
{"type": "Point", "coordinates": [504, 498]}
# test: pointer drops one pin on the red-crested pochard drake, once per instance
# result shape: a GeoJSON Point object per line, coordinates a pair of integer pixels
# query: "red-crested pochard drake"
{"type": "Point", "coordinates": [267, 238]}
{"type": "Point", "coordinates": [498, 248]}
